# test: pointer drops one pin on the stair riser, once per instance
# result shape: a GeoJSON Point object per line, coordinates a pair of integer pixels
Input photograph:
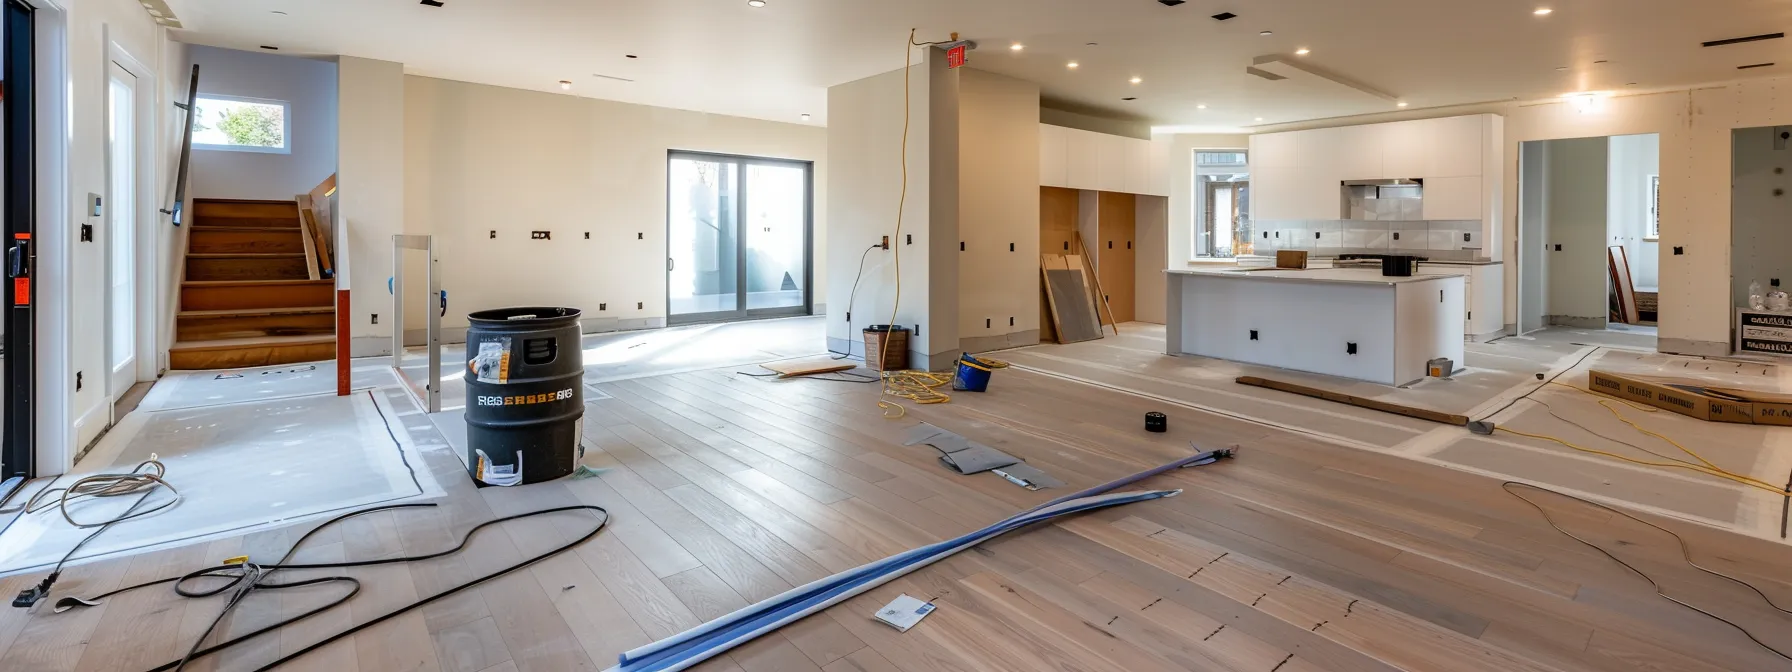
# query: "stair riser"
{"type": "Point", "coordinates": [259, 355]}
{"type": "Point", "coordinates": [253, 296]}
{"type": "Point", "coordinates": [246, 242]}
{"type": "Point", "coordinates": [204, 208]}
{"type": "Point", "coordinates": [292, 268]}
{"type": "Point", "coordinates": [253, 326]}
{"type": "Point", "coordinates": [285, 222]}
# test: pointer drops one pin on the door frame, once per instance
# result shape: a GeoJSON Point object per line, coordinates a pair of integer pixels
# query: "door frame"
{"type": "Point", "coordinates": [742, 312]}
{"type": "Point", "coordinates": [145, 266]}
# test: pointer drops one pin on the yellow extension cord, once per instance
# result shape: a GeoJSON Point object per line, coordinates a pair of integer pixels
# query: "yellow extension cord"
{"type": "Point", "coordinates": [1703, 466]}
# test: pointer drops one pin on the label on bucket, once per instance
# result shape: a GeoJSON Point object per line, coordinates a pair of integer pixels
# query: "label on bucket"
{"type": "Point", "coordinates": [526, 399]}
{"type": "Point", "coordinates": [492, 363]}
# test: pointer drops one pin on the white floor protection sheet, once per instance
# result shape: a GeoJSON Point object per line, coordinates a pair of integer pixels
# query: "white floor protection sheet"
{"type": "Point", "coordinates": [239, 465]}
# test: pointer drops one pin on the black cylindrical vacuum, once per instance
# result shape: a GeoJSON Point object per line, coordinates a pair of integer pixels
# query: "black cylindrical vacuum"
{"type": "Point", "coordinates": [525, 400]}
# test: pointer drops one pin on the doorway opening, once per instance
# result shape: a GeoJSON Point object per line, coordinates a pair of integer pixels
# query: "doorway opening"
{"type": "Point", "coordinates": [1760, 240]}
{"type": "Point", "coordinates": [18, 209]}
{"type": "Point", "coordinates": [1589, 236]}
{"type": "Point", "coordinates": [738, 235]}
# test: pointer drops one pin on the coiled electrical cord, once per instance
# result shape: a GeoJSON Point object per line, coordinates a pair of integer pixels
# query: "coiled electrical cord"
{"type": "Point", "coordinates": [137, 482]}
{"type": "Point", "coordinates": [1685, 555]}
{"type": "Point", "coordinates": [246, 578]}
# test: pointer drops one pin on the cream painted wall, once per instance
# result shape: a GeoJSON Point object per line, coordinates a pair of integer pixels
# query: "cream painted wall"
{"type": "Point", "coordinates": [370, 200]}
{"type": "Point", "coordinates": [998, 206]}
{"type": "Point", "coordinates": [1182, 196]}
{"type": "Point", "coordinates": [308, 86]}
{"type": "Point", "coordinates": [479, 158]}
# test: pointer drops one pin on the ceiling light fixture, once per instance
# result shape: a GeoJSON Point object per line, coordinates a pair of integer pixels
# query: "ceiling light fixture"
{"type": "Point", "coordinates": [1543, 11]}
{"type": "Point", "coordinates": [279, 12]}
{"type": "Point", "coordinates": [1266, 33]}
{"type": "Point", "coordinates": [1138, 80]}
{"type": "Point", "coordinates": [1200, 107]}
{"type": "Point", "coordinates": [755, 3]}
{"type": "Point", "coordinates": [565, 85]}
{"type": "Point", "coordinates": [1072, 65]}
{"type": "Point", "coordinates": [1560, 68]}
{"type": "Point", "coordinates": [1016, 46]}
{"type": "Point", "coordinates": [1259, 118]}
{"type": "Point", "coordinates": [1130, 98]}
{"type": "Point", "coordinates": [1400, 104]}
{"type": "Point", "coordinates": [1584, 102]}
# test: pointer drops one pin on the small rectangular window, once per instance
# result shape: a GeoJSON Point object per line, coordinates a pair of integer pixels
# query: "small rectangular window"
{"type": "Point", "coordinates": [1654, 205]}
{"type": "Point", "coordinates": [242, 124]}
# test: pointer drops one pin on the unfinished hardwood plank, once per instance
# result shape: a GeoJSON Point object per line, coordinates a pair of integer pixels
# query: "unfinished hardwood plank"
{"type": "Point", "coordinates": [822, 639]}
{"type": "Point", "coordinates": [1359, 402]}
{"type": "Point", "coordinates": [471, 647]}
{"type": "Point", "coordinates": [707, 596]}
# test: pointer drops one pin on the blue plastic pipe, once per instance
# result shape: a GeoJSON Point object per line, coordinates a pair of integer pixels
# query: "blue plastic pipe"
{"type": "Point", "coordinates": [717, 636]}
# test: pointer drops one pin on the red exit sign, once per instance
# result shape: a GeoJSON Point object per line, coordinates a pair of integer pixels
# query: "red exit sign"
{"type": "Point", "coordinates": [955, 57]}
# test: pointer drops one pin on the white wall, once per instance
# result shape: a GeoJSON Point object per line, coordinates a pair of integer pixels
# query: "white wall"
{"type": "Point", "coordinates": [1578, 277]}
{"type": "Point", "coordinates": [308, 85]}
{"type": "Point", "coordinates": [370, 200]}
{"type": "Point", "coordinates": [477, 159]}
{"type": "Point", "coordinates": [1633, 159]}
{"type": "Point", "coordinates": [1763, 238]}
{"type": "Point", "coordinates": [1182, 196]}
{"type": "Point", "coordinates": [998, 204]}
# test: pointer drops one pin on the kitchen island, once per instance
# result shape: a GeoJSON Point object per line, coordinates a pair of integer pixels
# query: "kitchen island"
{"type": "Point", "coordinates": [1346, 322]}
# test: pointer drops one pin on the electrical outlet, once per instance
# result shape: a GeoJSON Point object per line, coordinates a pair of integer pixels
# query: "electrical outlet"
{"type": "Point", "coordinates": [494, 234]}
{"type": "Point", "coordinates": [886, 243]}
{"type": "Point", "coordinates": [640, 306]}
{"type": "Point", "coordinates": [603, 306]}
{"type": "Point", "coordinates": [961, 246]}
{"type": "Point", "coordinates": [587, 235]}
{"type": "Point", "coordinates": [78, 381]}
{"type": "Point", "coordinates": [540, 235]}
{"type": "Point", "coordinates": [1678, 250]}
{"type": "Point", "coordinates": [376, 318]}
{"type": "Point", "coordinates": [1253, 334]}
{"type": "Point", "coordinates": [1349, 348]}
{"type": "Point", "coordinates": [640, 236]}
{"type": "Point", "coordinates": [987, 323]}
{"type": "Point", "coordinates": [910, 237]}
{"type": "Point", "coordinates": [86, 233]}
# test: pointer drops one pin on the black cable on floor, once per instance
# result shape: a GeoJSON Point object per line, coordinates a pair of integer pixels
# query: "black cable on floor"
{"type": "Point", "coordinates": [248, 578]}
{"type": "Point", "coordinates": [1685, 555]}
{"type": "Point", "coordinates": [1576, 365]}
{"type": "Point", "coordinates": [395, 442]}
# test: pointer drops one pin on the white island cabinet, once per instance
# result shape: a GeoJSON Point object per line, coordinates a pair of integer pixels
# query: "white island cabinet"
{"type": "Point", "coordinates": [1350, 323]}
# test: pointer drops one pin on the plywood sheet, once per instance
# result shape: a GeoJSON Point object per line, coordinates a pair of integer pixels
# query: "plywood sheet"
{"type": "Point", "coordinates": [809, 367]}
{"type": "Point", "coordinates": [1074, 316]}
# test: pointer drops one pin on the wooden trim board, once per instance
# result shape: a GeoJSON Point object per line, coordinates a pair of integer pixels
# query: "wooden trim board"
{"type": "Point", "coordinates": [1353, 400]}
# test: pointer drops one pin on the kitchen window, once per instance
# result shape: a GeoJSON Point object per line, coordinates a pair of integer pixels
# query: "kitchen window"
{"type": "Point", "coordinates": [242, 124]}
{"type": "Point", "coordinates": [1222, 197]}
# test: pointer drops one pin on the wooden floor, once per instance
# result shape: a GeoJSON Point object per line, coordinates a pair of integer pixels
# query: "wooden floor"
{"type": "Point", "coordinates": [723, 490]}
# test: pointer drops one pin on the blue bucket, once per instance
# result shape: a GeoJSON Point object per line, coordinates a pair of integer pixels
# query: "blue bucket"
{"type": "Point", "coordinates": [973, 375]}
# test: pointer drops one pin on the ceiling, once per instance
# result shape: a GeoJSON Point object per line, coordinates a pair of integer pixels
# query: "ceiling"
{"type": "Point", "coordinates": [777, 61]}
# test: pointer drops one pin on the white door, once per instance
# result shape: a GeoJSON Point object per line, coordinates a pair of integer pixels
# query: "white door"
{"type": "Point", "coordinates": [120, 234]}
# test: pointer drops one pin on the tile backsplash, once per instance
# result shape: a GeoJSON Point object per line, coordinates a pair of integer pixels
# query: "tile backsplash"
{"type": "Point", "coordinates": [1352, 236]}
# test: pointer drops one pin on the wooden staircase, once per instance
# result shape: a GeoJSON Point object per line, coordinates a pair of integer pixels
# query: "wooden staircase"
{"type": "Point", "coordinates": [251, 294]}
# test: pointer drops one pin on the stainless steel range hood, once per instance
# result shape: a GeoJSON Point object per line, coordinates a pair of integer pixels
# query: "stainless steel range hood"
{"type": "Point", "coordinates": [1397, 182]}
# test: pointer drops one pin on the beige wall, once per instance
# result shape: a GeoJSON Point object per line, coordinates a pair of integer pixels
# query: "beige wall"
{"type": "Point", "coordinates": [370, 202]}
{"type": "Point", "coordinates": [998, 205]}
{"type": "Point", "coordinates": [472, 159]}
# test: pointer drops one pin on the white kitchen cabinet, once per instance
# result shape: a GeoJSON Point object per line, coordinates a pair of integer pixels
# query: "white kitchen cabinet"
{"type": "Point", "coordinates": [1272, 190]}
{"type": "Point", "coordinates": [1083, 153]}
{"type": "Point", "coordinates": [1406, 149]}
{"type": "Point", "coordinates": [1274, 150]}
{"type": "Point", "coordinates": [1453, 197]}
{"type": "Point", "coordinates": [1317, 194]}
{"type": "Point", "coordinates": [1138, 166]}
{"type": "Point", "coordinates": [1345, 153]}
{"type": "Point", "coordinates": [1456, 146]}
{"type": "Point", "coordinates": [1113, 156]}
{"type": "Point", "coordinates": [1157, 167]}
{"type": "Point", "coordinates": [1054, 156]}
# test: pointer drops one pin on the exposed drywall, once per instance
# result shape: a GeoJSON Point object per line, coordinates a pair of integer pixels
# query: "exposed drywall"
{"type": "Point", "coordinates": [1531, 251]}
{"type": "Point", "coordinates": [308, 85]}
{"type": "Point", "coordinates": [1762, 212]}
{"type": "Point", "coordinates": [1634, 160]}
{"type": "Point", "coordinates": [865, 182]}
{"type": "Point", "coordinates": [1578, 278]}
{"type": "Point", "coordinates": [1182, 197]}
{"type": "Point", "coordinates": [370, 202]}
{"type": "Point", "coordinates": [998, 210]}
{"type": "Point", "coordinates": [479, 159]}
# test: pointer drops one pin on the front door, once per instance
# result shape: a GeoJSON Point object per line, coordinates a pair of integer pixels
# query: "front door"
{"type": "Point", "coordinates": [738, 233]}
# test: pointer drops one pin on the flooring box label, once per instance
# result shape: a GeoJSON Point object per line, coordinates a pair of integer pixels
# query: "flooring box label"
{"type": "Point", "coordinates": [1713, 404]}
{"type": "Point", "coordinates": [1764, 332]}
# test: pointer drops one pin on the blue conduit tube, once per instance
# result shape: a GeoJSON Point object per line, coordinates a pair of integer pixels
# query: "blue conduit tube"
{"type": "Point", "coordinates": [715, 637]}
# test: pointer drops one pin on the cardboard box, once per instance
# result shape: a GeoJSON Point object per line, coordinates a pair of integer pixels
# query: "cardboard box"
{"type": "Point", "coordinates": [1688, 398]}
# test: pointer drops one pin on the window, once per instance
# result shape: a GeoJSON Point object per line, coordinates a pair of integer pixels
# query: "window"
{"type": "Point", "coordinates": [1222, 191]}
{"type": "Point", "coordinates": [1654, 195]}
{"type": "Point", "coordinates": [242, 124]}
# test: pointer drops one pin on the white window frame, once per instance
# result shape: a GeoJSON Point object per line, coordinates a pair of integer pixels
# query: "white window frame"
{"type": "Point", "coordinates": [1198, 200]}
{"type": "Point", "coordinates": [1652, 226]}
{"type": "Point", "coordinates": [285, 123]}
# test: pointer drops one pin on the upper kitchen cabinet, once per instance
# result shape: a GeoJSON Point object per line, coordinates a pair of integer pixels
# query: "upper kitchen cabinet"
{"type": "Point", "coordinates": [1338, 154]}
{"type": "Point", "coordinates": [1453, 198]}
{"type": "Point", "coordinates": [1274, 150]}
{"type": "Point", "coordinates": [1456, 145]}
{"type": "Point", "coordinates": [1406, 149]}
{"type": "Point", "coordinates": [1078, 159]}
{"type": "Point", "coordinates": [1054, 156]}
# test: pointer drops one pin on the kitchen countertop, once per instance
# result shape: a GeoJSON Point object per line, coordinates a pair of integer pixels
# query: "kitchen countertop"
{"type": "Point", "coordinates": [1356, 276]}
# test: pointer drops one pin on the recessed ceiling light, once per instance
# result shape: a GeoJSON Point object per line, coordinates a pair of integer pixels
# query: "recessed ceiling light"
{"type": "Point", "coordinates": [805, 117]}
{"type": "Point", "coordinates": [1092, 44]}
{"type": "Point", "coordinates": [1266, 33]}
{"type": "Point", "coordinates": [1631, 84]}
{"type": "Point", "coordinates": [1138, 80]}
{"type": "Point", "coordinates": [1016, 46]}
{"type": "Point", "coordinates": [1302, 51]}
{"type": "Point", "coordinates": [279, 12]}
{"type": "Point", "coordinates": [1259, 118]}
{"type": "Point", "coordinates": [1600, 62]}
{"type": "Point", "coordinates": [1543, 11]}
{"type": "Point", "coordinates": [270, 48]}
{"type": "Point", "coordinates": [755, 3]}
{"type": "Point", "coordinates": [565, 85]}
{"type": "Point", "coordinates": [1072, 65]}
{"type": "Point", "coordinates": [1200, 107]}
{"type": "Point", "coordinates": [1129, 98]}
{"type": "Point", "coordinates": [1561, 67]}
{"type": "Point", "coordinates": [1400, 104]}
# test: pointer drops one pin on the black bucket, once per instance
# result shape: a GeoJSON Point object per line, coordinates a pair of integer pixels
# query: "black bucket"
{"type": "Point", "coordinates": [525, 394]}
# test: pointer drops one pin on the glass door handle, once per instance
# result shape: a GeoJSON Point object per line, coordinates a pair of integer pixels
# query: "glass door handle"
{"type": "Point", "coordinates": [669, 264]}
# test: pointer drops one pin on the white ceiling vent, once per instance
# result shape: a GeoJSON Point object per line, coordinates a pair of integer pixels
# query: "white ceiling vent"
{"type": "Point", "coordinates": [1301, 73]}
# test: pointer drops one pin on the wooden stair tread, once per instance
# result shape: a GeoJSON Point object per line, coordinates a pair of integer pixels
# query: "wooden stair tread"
{"type": "Point", "coordinates": [251, 255]}
{"type": "Point", "coordinates": [222, 283]}
{"type": "Point", "coordinates": [249, 312]}
{"type": "Point", "coordinates": [258, 341]}
{"type": "Point", "coordinates": [245, 229]}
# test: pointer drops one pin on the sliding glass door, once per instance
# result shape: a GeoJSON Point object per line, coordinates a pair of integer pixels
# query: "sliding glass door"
{"type": "Point", "coordinates": [738, 233]}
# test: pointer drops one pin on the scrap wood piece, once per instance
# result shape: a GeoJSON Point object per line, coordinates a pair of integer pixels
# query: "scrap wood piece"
{"type": "Point", "coordinates": [809, 367]}
{"type": "Point", "coordinates": [1359, 402]}
{"type": "Point", "coordinates": [1112, 321]}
